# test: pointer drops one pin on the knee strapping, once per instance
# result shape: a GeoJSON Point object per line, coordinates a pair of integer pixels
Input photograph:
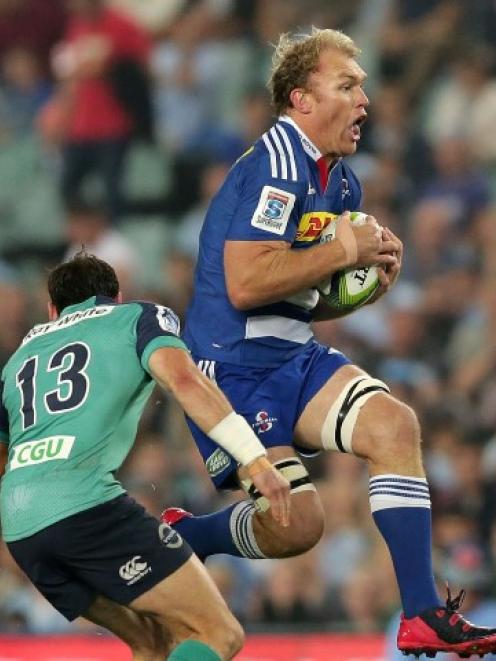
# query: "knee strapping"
{"type": "Point", "coordinates": [337, 430]}
{"type": "Point", "coordinates": [295, 473]}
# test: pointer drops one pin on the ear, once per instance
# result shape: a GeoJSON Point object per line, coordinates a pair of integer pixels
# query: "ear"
{"type": "Point", "coordinates": [53, 315]}
{"type": "Point", "coordinates": [301, 100]}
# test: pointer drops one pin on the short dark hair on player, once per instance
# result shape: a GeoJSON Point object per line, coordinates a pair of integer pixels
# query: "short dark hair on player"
{"type": "Point", "coordinates": [80, 278]}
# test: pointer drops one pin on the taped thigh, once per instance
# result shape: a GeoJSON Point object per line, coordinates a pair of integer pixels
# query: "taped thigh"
{"type": "Point", "coordinates": [295, 473]}
{"type": "Point", "coordinates": [337, 430]}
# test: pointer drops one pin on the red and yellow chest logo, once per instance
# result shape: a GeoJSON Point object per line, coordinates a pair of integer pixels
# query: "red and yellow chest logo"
{"type": "Point", "coordinates": [312, 223]}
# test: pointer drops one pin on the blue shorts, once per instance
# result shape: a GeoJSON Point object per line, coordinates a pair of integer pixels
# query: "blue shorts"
{"type": "Point", "coordinates": [116, 549]}
{"type": "Point", "coordinates": [271, 400]}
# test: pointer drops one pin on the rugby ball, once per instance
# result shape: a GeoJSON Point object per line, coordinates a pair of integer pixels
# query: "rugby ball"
{"type": "Point", "coordinates": [350, 288]}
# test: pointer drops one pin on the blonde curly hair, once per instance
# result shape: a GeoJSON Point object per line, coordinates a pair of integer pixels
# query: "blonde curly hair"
{"type": "Point", "coordinates": [296, 56]}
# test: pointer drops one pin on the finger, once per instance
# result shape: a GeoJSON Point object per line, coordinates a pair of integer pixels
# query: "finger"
{"type": "Point", "coordinates": [389, 246]}
{"type": "Point", "coordinates": [275, 508]}
{"type": "Point", "coordinates": [285, 507]}
{"type": "Point", "coordinates": [383, 278]}
{"type": "Point", "coordinates": [386, 259]}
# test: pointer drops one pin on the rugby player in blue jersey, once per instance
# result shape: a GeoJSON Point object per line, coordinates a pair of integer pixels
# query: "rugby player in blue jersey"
{"type": "Point", "coordinates": [249, 329]}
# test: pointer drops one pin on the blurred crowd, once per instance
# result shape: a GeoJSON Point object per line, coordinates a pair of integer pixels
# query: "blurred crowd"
{"type": "Point", "coordinates": [115, 132]}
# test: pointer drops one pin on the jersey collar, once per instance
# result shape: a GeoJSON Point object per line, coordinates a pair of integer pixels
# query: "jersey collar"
{"type": "Point", "coordinates": [308, 146]}
{"type": "Point", "coordinates": [88, 303]}
{"type": "Point", "coordinates": [312, 151]}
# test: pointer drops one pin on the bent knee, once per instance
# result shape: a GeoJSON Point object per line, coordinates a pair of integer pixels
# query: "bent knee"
{"type": "Point", "coordinates": [305, 528]}
{"type": "Point", "coordinates": [386, 426]}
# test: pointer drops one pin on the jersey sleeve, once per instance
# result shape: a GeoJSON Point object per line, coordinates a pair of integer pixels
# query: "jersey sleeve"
{"type": "Point", "coordinates": [157, 327]}
{"type": "Point", "coordinates": [4, 419]}
{"type": "Point", "coordinates": [268, 204]}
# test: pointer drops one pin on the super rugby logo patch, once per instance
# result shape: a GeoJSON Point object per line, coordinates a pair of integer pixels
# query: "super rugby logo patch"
{"type": "Point", "coordinates": [273, 210]}
{"type": "Point", "coordinates": [263, 422]}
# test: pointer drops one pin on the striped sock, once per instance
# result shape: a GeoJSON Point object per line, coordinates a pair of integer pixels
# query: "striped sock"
{"type": "Point", "coordinates": [228, 531]}
{"type": "Point", "coordinates": [241, 524]}
{"type": "Point", "coordinates": [401, 507]}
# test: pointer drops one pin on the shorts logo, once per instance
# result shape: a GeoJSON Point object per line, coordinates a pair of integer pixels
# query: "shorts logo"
{"type": "Point", "coordinates": [217, 462]}
{"type": "Point", "coordinates": [273, 210]}
{"type": "Point", "coordinates": [170, 537]}
{"type": "Point", "coordinates": [44, 449]}
{"type": "Point", "coordinates": [133, 570]}
{"type": "Point", "coordinates": [263, 422]}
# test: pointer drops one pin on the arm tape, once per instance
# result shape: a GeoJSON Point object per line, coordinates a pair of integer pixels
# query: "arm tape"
{"type": "Point", "coordinates": [236, 436]}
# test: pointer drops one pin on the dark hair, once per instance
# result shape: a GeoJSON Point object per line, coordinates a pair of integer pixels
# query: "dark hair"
{"type": "Point", "coordinates": [80, 278]}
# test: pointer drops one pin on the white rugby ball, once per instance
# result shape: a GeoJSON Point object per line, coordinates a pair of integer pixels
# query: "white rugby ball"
{"type": "Point", "coordinates": [350, 288]}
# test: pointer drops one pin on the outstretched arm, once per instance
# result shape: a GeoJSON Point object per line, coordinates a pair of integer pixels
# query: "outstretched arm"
{"type": "Point", "coordinates": [204, 403]}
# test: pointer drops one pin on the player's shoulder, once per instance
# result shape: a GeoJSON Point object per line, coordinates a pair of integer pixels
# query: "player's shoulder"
{"type": "Point", "coordinates": [156, 313]}
{"type": "Point", "coordinates": [275, 156]}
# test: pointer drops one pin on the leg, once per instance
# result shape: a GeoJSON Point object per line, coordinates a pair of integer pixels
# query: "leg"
{"type": "Point", "coordinates": [248, 531]}
{"type": "Point", "coordinates": [145, 635]}
{"type": "Point", "coordinates": [356, 418]}
{"type": "Point", "coordinates": [184, 606]}
{"type": "Point", "coordinates": [111, 159]}
{"type": "Point", "coordinates": [386, 434]}
{"type": "Point", "coordinates": [188, 604]}
{"type": "Point", "coordinates": [78, 161]}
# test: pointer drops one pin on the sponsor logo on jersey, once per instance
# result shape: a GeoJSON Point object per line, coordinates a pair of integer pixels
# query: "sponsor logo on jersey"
{"type": "Point", "coordinates": [44, 449]}
{"type": "Point", "coordinates": [217, 462]}
{"type": "Point", "coordinates": [345, 190]}
{"type": "Point", "coordinates": [170, 537]}
{"type": "Point", "coordinates": [273, 210]}
{"type": "Point", "coordinates": [312, 223]}
{"type": "Point", "coordinates": [68, 320]}
{"type": "Point", "coordinates": [134, 570]}
{"type": "Point", "coordinates": [263, 422]}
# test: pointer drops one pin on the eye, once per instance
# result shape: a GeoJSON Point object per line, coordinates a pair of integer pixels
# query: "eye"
{"type": "Point", "coordinates": [346, 87]}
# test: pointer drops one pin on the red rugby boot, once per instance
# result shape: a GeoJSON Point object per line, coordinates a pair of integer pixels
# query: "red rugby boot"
{"type": "Point", "coordinates": [173, 515]}
{"type": "Point", "coordinates": [443, 629]}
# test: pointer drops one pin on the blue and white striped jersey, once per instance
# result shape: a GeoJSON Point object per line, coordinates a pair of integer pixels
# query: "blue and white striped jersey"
{"type": "Point", "coordinates": [275, 191]}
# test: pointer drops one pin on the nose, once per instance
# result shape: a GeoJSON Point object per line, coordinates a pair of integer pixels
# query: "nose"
{"type": "Point", "coordinates": [363, 99]}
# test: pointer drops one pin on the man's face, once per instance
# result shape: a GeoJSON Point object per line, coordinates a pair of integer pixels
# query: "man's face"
{"type": "Point", "coordinates": [339, 103]}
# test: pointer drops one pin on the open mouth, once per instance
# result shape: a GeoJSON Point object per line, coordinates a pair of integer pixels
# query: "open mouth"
{"type": "Point", "coordinates": [355, 128]}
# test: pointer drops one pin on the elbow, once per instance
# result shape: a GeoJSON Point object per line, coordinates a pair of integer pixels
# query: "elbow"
{"type": "Point", "coordinates": [241, 299]}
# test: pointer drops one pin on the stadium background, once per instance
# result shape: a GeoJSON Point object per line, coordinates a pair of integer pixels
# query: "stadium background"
{"type": "Point", "coordinates": [427, 161]}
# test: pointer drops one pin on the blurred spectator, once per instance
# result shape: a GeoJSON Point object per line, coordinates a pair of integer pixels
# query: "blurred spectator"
{"type": "Point", "coordinates": [294, 593]}
{"type": "Point", "coordinates": [33, 25]}
{"type": "Point", "coordinates": [154, 15]}
{"type": "Point", "coordinates": [14, 311]}
{"type": "Point", "coordinates": [101, 66]}
{"type": "Point", "coordinates": [414, 36]}
{"type": "Point", "coordinates": [89, 227]}
{"type": "Point", "coordinates": [23, 90]}
{"type": "Point", "coordinates": [461, 102]}
{"type": "Point", "coordinates": [457, 181]}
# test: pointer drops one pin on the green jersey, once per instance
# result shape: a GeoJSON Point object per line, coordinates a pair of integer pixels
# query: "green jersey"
{"type": "Point", "coordinates": [72, 395]}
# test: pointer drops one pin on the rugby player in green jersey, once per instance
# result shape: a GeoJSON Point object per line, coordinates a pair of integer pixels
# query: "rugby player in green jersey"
{"type": "Point", "coordinates": [71, 398]}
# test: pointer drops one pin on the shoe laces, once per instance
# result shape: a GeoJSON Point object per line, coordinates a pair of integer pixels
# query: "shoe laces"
{"type": "Point", "coordinates": [454, 603]}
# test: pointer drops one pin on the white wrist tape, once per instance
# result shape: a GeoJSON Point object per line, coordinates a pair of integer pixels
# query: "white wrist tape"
{"type": "Point", "coordinates": [236, 436]}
